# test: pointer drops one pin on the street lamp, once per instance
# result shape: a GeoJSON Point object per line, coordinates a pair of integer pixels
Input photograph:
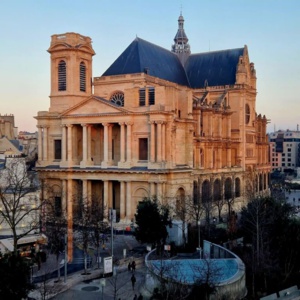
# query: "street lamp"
{"type": "Point", "coordinates": [199, 245]}
{"type": "Point", "coordinates": [102, 283]}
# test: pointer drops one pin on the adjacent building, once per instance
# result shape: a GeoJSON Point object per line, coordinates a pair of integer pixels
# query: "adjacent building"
{"type": "Point", "coordinates": [167, 123]}
{"type": "Point", "coordinates": [285, 150]}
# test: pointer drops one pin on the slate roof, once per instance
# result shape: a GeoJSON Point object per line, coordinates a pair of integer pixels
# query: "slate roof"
{"type": "Point", "coordinates": [215, 68]}
{"type": "Point", "coordinates": [141, 55]}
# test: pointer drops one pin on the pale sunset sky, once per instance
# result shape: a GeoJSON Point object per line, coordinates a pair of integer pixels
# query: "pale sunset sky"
{"type": "Point", "coordinates": [270, 29]}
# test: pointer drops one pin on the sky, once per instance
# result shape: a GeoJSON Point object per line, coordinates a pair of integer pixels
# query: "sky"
{"type": "Point", "coordinates": [270, 29]}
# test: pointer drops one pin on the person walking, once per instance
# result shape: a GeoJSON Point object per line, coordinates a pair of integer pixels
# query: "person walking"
{"type": "Point", "coordinates": [135, 297]}
{"type": "Point", "coordinates": [133, 281]}
{"type": "Point", "coordinates": [140, 297]}
{"type": "Point", "coordinates": [133, 266]}
{"type": "Point", "coordinates": [129, 267]}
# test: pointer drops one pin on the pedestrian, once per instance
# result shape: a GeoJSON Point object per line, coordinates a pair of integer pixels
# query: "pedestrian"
{"type": "Point", "coordinates": [133, 266]}
{"type": "Point", "coordinates": [129, 267]}
{"type": "Point", "coordinates": [135, 297]}
{"type": "Point", "coordinates": [133, 280]}
{"type": "Point", "coordinates": [140, 297]}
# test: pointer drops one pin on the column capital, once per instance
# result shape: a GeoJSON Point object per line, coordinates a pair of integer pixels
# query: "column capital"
{"type": "Point", "coordinates": [159, 122]}
{"type": "Point", "coordinates": [151, 122]}
{"type": "Point", "coordinates": [129, 123]}
{"type": "Point", "coordinates": [63, 125]}
{"type": "Point", "coordinates": [121, 123]}
{"type": "Point", "coordinates": [69, 125]}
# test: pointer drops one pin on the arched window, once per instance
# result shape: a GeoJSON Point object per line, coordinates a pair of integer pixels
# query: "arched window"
{"type": "Point", "coordinates": [205, 191]}
{"type": "Point", "coordinates": [217, 190]}
{"type": "Point", "coordinates": [62, 76]}
{"type": "Point", "coordinates": [247, 114]}
{"type": "Point", "coordinates": [196, 193]}
{"type": "Point", "coordinates": [117, 98]}
{"type": "Point", "coordinates": [228, 188]}
{"type": "Point", "coordinates": [82, 76]}
{"type": "Point", "coordinates": [237, 187]}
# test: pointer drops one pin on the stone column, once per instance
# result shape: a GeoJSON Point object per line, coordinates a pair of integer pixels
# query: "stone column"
{"type": "Point", "coordinates": [128, 201]}
{"type": "Point", "coordinates": [159, 147]}
{"type": "Point", "coordinates": [159, 191]}
{"type": "Point", "coordinates": [85, 191]}
{"type": "Point", "coordinates": [64, 143]}
{"type": "Point", "coordinates": [40, 143]}
{"type": "Point", "coordinates": [228, 156]}
{"type": "Point", "coordinates": [64, 197]}
{"type": "Point", "coordinates": [45, 143]}
{"type": "Point", "coordinates": [122, 146]}
{"type": "Point", "coordinates": [70, 156]}
{"type": "Point", "coordinates": [70, 218]}
{"type": "Point", "coordinates": [110, 150]}
{"type": "Point", "coordinates": [105, 195]}
{"type": "Point", "coordinates": [152, 142]}
{"type": "Point", "coordinates": [163, 141]}
{"type": "Point", "coordinates": [84, 142]}
{"type": "Point", "coordinates": [89, 142]}
{"type": "Point", "coordinates": [105, 145]}
{"type": "Point", "coordinates": [122, 200]}
{"type": "Point", "coordinates": [152, 189]}
{"type": "Point", "coordinates": [128, 158]}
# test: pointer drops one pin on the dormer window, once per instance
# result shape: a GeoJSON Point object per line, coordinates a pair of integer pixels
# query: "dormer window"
{"type": "Point", "coordinates": [117, 98]}
{"type": "Point", "coordinates": [62, 76]}
{"type": "Point", "coordinates": [82, 76]}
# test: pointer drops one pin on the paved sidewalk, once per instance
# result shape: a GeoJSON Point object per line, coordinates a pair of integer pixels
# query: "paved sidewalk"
{"type": "Point", "coordinates": [87, 286]}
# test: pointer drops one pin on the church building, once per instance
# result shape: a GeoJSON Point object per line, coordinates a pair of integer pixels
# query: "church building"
{"type": "Point", "coordinates": [162, 123]}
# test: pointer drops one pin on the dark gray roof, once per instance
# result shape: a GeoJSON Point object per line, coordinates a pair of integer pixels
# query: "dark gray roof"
{"type": "Point", "coordinates": [141, 56]}
{"type": "Point", "coordinates": [215, 68]}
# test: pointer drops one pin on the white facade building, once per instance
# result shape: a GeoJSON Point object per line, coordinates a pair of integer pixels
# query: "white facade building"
{"type": "Point", "coordinates": [285, 150]}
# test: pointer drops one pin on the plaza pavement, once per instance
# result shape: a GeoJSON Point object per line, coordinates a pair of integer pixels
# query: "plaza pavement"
{"type": "Point", "coordinates": [78, 286]}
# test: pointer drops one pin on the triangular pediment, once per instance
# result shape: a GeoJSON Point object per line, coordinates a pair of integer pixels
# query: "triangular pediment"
{"type": "Point", "coordinates": [94, 106]}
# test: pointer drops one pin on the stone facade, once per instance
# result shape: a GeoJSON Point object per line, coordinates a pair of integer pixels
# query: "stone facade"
{"type": "Point", "coordinates": [119, 138]}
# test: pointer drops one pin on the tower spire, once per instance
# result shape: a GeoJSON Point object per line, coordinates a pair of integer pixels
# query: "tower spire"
{"type": "Point", "coordinates": [181, 46]}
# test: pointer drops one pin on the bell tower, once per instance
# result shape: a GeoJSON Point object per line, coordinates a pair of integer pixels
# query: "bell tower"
{"type": "Point", "coordinates": [71, 70]}
{"type": "Point", "coordinates": [181, 46]}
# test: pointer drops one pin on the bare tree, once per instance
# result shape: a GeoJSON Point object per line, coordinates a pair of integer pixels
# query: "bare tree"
{"type": "Point", "coordinates": [98, 225]}
{"type": "Point", "coordinates": [19, 202]}
{"type": "Point", "coordinates": [206, 278]}
{"type": "Point", "coordinates": [56, 229]}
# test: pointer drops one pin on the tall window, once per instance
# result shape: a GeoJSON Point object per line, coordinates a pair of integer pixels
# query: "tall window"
{"type": "Point", "coordinates": [82, 70]}
{"type": "Point", "coordinates": [143, 149]}
{"type": "Point", "coordinates": [57, 149]}
{"type": "Point", "coordinates": [62, 76]}
{"type": "Point", "coordinates": [247, 114]}
{"type": "Point", "coordinates": [57, 206]}
{"type": "Point", "coordinates": [151, 95]}
{"type": "Point", "coordinates": [142, 94]}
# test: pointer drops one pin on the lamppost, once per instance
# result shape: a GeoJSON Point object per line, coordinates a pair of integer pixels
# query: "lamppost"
{"type": "Point", "coordinates": [102, 283]}
{"type": "Point", "coordinates": [199, 245]}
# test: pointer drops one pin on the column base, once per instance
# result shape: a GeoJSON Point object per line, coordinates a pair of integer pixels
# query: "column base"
{"type": "Point", "coordinates": [87, 163]}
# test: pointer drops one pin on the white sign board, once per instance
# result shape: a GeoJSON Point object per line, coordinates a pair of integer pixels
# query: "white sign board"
{"type": "Point", "coordinates": [107, 265]}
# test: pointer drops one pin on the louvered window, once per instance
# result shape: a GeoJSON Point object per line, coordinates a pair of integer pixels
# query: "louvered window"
{"type": "Point", "coordinates": [142, 97]}
{"type": "Point", "coordinates": [62, 76]}
{"type": "Point", "coordinates": [82, 77]}
{"type": "Point", "coordinates": [151, 95]}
